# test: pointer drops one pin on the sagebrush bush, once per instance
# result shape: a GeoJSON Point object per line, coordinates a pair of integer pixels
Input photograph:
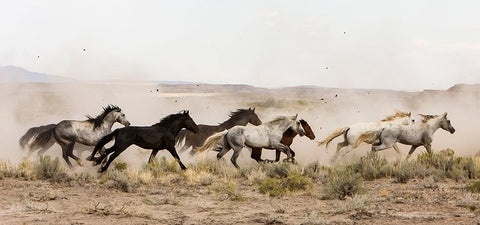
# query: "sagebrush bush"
{"type": "Point", "coordinates": [227, 188]}
{"type": "Point", "coordinates": [220, 168]}
{"type": "Point", "coordinates": [404, 170]}
{"type": "Point", "coordinates": [281, 186]}
{"type": "Point", "coordinates": [118, 180]}
{"type": "Point", "coordinates": [342, 181]}
{"type": "Point", "coordinates": [7, 169]}
{"type": "Point", "coordinates": [372, 166]}
{"type": "Point", "coordinates": [46, 169]}
{"type": "Point", "coordinates": [447, 165]}
{"type": "Point", "coordinates": [160, 167]}
{"type": "Point", "coordinates": [315, 171]}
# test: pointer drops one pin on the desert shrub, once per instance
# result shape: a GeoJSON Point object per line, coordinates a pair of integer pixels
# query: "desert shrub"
{"type": "Point", "coordinates": [120, 166]}
{"type": "Point", "coordinates": [256, 176]}
{"type": "Point", "coordinates": [474, 187]}
{"type": "Point", "coordinates": [358, 203]}
{"type": "Point", "coordinates": [7, 169]}
{"type": "Point", "coordinates": [227, 188]}
{"type": "Point", "coordinates": [449, 166]}
{"type": "Point", "coordinates": [117, 179]}
{"type": "Point", "coordinates": [315, 171]}
{"type": "Point", "coordinates": [46, 169]}
{"type": "Point", "coordinates": [83, 178]}
{"type": "Point", "coordinates": [280, 170]}
{"type": "Point", "coordinates": [312, 219]}
{"type": "Point", "coordinates": [281, 186]}
{"type": "Point", "coordinates": [403, 171]}
{"type": "Point", "coordinates": [160, 167]}
{"type": "Point", "coordinates": [25, 169]}
{"type": "Point", "coordinates": [373, 166]}
{"type": "Point", "coordinates": [220, 168]}
{"type": "Point", "coordinates": [342, 181]}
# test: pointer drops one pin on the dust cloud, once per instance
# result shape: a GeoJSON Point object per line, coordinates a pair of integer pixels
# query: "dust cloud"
{"type": "Point", "coordinates": [26, 105]}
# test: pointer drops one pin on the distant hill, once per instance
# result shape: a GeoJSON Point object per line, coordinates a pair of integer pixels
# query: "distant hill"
{"type": "Point", "coordinates": [18, 74]}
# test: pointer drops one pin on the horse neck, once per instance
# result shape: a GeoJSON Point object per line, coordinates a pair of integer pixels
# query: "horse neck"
{"type": "Point", "coordinates": [176, 127]}
{"type": "Point", "coordinates": [434, 124]}
{"type": "Point", "coordinates": [108, 121]}
{"type": "Point", "coordinates": [233, 122]}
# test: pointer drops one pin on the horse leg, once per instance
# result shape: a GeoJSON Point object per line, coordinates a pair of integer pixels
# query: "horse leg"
{"type": "Point", "coordinates": [172, 151]}
{"type": "Point", "coordinates": [223, 152]}
{"type": "Point", "coordinates": [65, 153]}
{"type": "Point", "coordinates": [293, 156]}
{"type": "Point", "coordinates": [152, 156]}
{"type": "Point", "coordinates": [397, 149]}
{"type": "Point", "coordinates": [429, 148]}
{"type": "Point", "coordinates": [110, 159]}
{"type": "Point", "coordinates": [339, 148]}
{"type": "Point", "coordinates": [412, 149]}
{"type": "Point", "coordinates": [236, 153]}
{"type": "Point", "coordinates": [103, 157]}
{"type": "Point", "coordinates": [285, 149]}
{"type": "Point", "coordinates": [70, 153]}
{"type": "Point", "coordinates": [256, 154]}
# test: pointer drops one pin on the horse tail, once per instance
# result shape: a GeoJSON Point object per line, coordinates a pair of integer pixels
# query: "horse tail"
{"type": "Point", "coordinates": [333, 135]}
{"type": "Point", "coordinates": [107, 138]}
{"type": "Point", "coordinates": [369, 137]}
{"type": "Point", "coordinates": [211, 141]}
{"type": "Point", "coordinates": [37, 137]}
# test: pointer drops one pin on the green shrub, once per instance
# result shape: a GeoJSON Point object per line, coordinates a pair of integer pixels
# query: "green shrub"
{"type": "Point", "coordinates": [47, 169]}
{"type": "Point", "coordinates": [160, 167]}
{"type": "Point", "coordinates": [342, 182]}
{"type": "Point", "coordinates": [281, 186]}
{"type": "Point", "coordinates": [405, 170]}
{"type": "Point", "coordinates": [373, 167]}
{"type": "Point", "coordinates": [474, 187]}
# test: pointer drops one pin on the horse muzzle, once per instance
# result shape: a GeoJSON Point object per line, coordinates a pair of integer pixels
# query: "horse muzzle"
{"type": "Point", "coordinates": [452, 130]}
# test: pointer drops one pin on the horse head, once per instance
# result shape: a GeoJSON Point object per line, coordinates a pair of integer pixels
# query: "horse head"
{"type": "Point", "coordinates": [446, 125]}
{"type": "Point", "coordinates": [253, 117]}
{"type": "Point", "coordinates": [189, 123]}
{"type": "Point", "coordinates": [308, 130]}
{"type": "Point", "coordinates": [120, 117]}
{"type": "Point", "coordinates": [297, 126]}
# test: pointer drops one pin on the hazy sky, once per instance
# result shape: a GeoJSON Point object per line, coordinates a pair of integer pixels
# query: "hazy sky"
{"type": "Point", "coordinates": [363, 44]}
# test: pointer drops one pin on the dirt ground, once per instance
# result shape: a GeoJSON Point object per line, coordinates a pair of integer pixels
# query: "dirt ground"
{"type": "Point", "coordinates": [417, 202]}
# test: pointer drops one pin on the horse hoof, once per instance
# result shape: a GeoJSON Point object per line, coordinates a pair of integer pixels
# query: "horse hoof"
{"type": "Point", "coordinates": [80, 162]}
{"type": "Point", "coordinates": [94, 163]}
{"type": "Point", "coordinates": [100, 170]}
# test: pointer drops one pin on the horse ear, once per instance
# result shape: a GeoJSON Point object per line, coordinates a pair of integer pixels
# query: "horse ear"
{"type": "Point", "coordinates": [253, 109]}
{"type": "Point", "coordinates": [445, 115]}
{"type": "Point", "coordinates": [294, 117]}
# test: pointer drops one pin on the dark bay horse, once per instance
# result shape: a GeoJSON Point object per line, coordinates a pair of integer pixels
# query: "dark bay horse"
{"type": "Point", "coordinates": [67, 132]}
{"type": "Point", "coordinates": [195, 140]}
{"type": "Point", "coordinates": [287, 140]}
{"type": "Point", "coordinates": [156, 137]}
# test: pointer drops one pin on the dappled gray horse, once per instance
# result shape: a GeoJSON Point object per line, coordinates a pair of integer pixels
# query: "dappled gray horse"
{"type": "Point", "coordinates": [67, 132]}
{"type": "Point", "coordinates": [267, 135]}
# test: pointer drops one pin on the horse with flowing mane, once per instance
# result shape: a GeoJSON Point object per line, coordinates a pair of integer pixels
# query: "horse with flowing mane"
{"type": "Point", "coordinates": [68, 132]}
{"type": "Point", "coordinates": [417, 134]}
{"type": "Point", "coordinates": [354, 131]}
{"type": "Point", "coordinates": [267, 135]}
{"type": "Point", "coordinates": [195, 140]}
{"type": "Point", "coordinates": [156, 137]}
{"type": "Point", "coordinates": [287, 140]}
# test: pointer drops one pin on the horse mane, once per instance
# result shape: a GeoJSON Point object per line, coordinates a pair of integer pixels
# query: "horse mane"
{"type": "Point", "coordinates": [98, 120]}
{"type": "Point", "coordinates": [398, 114]}
{"type": "Point", "coordinates": [170, 118]}
{"type": "Point", "coordinates": [426, 118]}
{"type": "Point", "coordinates": [238, 113]}
{"type": "Point", "coordinates": [276, 120]}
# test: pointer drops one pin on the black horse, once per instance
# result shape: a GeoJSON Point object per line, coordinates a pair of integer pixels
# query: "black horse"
{"type": "Point", "coordinates": [196, 140]}
{"type": "Point", "coordinates": [156, 137]}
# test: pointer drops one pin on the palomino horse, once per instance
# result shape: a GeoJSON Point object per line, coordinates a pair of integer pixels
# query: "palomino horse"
{"type": "Point", "coordinates": [156, 137]}
{"type": "Point", "coordinates": [268, 135]}
{"type": "Point", "coordinates": [417, 134]}
{"type": "Point", "coordinates": [287, 140]}
{"type": "Point", "coordinates": [353, 132]}
{"type": "Point", "coordinates": [195, 140]}
{"type": "Point", "coordinates": [68, 132]}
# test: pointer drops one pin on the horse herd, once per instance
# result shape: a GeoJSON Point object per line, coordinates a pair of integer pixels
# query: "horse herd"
{"type": "Point", "coordinates": [180, 130]}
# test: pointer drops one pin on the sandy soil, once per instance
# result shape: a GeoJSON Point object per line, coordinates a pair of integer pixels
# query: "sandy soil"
{"type": "Point", "coordinates": [25, 105]}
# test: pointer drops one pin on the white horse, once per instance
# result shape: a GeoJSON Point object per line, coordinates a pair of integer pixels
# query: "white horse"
{"type": "Point", "coordinates": [417, 134]}
{"type": "Point", "coordinates": [266, 135]}
{"type": "Point", "coordinates": [354, 131]}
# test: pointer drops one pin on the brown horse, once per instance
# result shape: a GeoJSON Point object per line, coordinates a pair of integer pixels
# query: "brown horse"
{"type": "Point", "coordinates": [287, 139]}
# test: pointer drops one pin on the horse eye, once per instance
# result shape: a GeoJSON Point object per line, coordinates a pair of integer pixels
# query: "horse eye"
{"type": "Point", "coordinates": [123, 114]}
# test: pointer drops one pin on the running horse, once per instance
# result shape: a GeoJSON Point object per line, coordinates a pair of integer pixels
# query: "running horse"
{"type": "Point", "coordinates": [267, 135]}
{"type": "Point", "coordinates": [68, 132]}
{"type": "Point", "coordinates": [195, 140]}
{"type": "Point", "coordinates": [287, 140]}
{"type": "Point", "coordinates": [156, 137]}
